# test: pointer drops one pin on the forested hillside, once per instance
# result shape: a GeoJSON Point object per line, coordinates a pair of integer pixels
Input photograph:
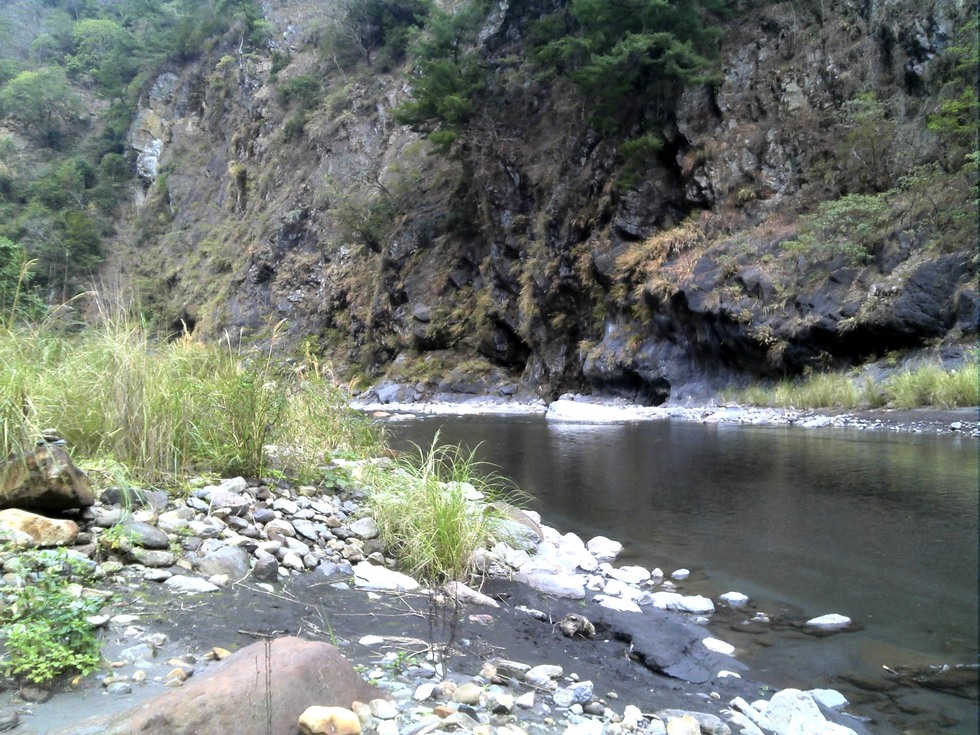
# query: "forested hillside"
{"type": "Point", "coordinates": [649, 198]}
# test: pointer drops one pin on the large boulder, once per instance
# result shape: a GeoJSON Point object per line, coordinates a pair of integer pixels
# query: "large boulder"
{"type": "Point", "coordinates": [233, 698]}
{"type": "Point", "coordinates": [30, 529]}
{"type": "Point", "coordinates": [44, 480]}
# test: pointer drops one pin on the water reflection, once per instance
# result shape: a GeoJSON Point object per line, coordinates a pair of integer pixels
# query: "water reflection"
{"type": "Point", "coordinates": [881, 527]}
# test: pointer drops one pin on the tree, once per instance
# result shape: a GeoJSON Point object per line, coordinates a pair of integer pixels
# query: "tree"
{"type": "Point", "coordinates": [630, 56]}
{"type": "Point", "coordinates": [448, 76]}
{"type": "Point", "coordinates": [103, 53]}
{"type": "Point", "coordinates": [42, 104]}
{"type": "Point", "coordinates": [360, 28]}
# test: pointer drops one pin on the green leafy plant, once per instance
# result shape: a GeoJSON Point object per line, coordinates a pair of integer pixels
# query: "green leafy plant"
{"type": "Point", "coordinates": [849, 226]}
{"type": "Point", "coordinates": [46, 630]}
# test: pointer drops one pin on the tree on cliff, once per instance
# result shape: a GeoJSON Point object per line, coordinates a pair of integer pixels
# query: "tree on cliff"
{"type": "Point", "coordinates": [42, 104]}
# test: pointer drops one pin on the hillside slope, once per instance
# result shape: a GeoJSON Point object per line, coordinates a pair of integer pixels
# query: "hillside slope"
{"type": "Point", "coordinates": [802, 210]}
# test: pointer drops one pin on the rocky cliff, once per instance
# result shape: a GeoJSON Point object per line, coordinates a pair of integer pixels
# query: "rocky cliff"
{"type": "Point", "coordinates": [799, 215]}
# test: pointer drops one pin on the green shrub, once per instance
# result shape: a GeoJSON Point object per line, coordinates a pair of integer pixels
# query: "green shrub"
{"type": "Point", "coordinates": [46, 630]}
{"type": "Point", "coordinates": [424, 518]}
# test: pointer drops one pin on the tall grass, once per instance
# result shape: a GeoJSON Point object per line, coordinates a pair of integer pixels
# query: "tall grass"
{"type": "Point", "coordinates": [165, 408]}
{"type": "Point", "coordinates": [424, 517]}
{"type": "Point", "coordinates": [929, 385]}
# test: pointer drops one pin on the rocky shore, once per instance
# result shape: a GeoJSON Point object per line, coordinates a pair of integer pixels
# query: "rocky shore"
{"type": "Point", "coordinates": [559, 639]}
{"type": "Point", "coordinates": [590, 410]}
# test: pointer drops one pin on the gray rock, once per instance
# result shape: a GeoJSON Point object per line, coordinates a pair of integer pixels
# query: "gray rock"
{"type": "Point", "coordinates": [263, 515]}
{"type": "Point", "coordinates": [235, 503]}
{"type": "Point", "coordinates": [230, 560]}
{"type": "Point", "coordinates": [709, 724]}
{"type": "Point", "coordinates": [372, 577]}
{"type": "Point", "coordinates": [580, 693]}
{"type": "Point", "coordinates": [145, 535]}
{"type": "Point", "coordinates": [833, 621]}
{"type": "Point", "coordinates": [183, 585]}
{"type": "Point", "coordinates": [570, 586]}
{"type": "Point", "coordinates": [152, 557]}
{"type": "Point", "coordinates": [364, 528]}
{"type": "Point", "coordinates": [266, 569]}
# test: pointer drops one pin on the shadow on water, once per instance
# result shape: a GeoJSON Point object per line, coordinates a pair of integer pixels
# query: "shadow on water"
{"type": "Point", "coordinates": [878, 526]}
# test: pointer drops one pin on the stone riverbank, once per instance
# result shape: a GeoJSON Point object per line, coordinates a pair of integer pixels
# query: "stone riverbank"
{"type": "Point", "coordinates": [560, 639]}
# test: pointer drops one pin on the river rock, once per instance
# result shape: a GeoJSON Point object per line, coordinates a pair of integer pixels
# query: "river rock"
{"type": "Point", "coordinates": [318, 720]}
{"type": "Point", "coordinates": [213, 703]}
{"type": "Point", "coordinates": [734, 599]}
{"type": "Point", "coordinates": [542, 676]}
{"type": "Point", "coordinates": [792, 711]}
{"type": "Point", "coordinates": [683, 725]}
{"type": "Point", "coordinates": [31, 529]}
{"type": "Point", "coordinates": [44, 480]}
{"type": "Point", "coordinates": [372, 577]}
{"type": "Point", "coordinates": [617, 603]}
{"type": "Point", "coordinates": [181, 584]}
{"type": "Point", "coordinates": [579, 693]}
{"type": "Point", "coordinates": [462, 593]}
{"type": "Point", "coordinates": [228, 502]}
{"type": "Point", "coordinates": [365, 528]}
{"type": "Point", "coordinates": [570, 586]}
{"type": "Point", "coordinates": [145, 535]}
{"type": "Point", "coordinates": [152, 557]}
{"type": "Point", "coordinates": [829, 698]}
{"type": "Point", "coordinates": [229, 560]}
{"type": "Point", "coordinates": [266, 569]}
{"type": "Point", "coordinates": [833, 621]}
{"type": "Point", "coordinates": [604, 549]}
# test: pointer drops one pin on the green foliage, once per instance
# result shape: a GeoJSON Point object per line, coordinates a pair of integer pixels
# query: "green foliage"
{"type": "Point", "coordinates": [928, 385]}
{"type": "Point", "coordinates": [637, 154]}
{"type": "Point", "coordinates": [631, 56]}
{"type": "Point", "coordinates": [303, 89]}
{"type": "Point", "coordinates": [103, 53]}
{"type": "Point", "coordinates": [866, 152]}
{"type": "Point", "coordinates": [956, 120]}
{"type": "Point", "coordinates": [849, 226]}
{"type": "Point", "coordinates": [931, 385]}
{"type": "Point", "coordinates": [424, 517]}
{"type": "Point", "coordinates": [449, 73]}
{"type": "Point", "coordinates": [46, 630]}
{"type": "Point", "coordinates": [168, 406]}
{"type": "Point", "coordinates": [18, 301]}
{"type": "Point", "coordinates": [42, 104]}
{"type": "Point", "coordinates": [373, 30]}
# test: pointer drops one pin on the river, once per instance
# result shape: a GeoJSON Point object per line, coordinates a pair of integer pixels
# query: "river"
{"type": "Point", "coordinates": [879, 526]}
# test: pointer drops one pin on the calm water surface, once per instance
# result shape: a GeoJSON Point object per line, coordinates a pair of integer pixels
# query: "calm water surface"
{"type": "Point", "coordinates": [878, 526]}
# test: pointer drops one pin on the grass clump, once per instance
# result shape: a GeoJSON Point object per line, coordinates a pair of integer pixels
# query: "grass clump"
{"type": "Point", "coordinates": [166, 408]}
{"type": "Point", "coordinates": [824, 390]}
{"type": "Point", "coordinates": [46, 632]}
{"type": "Point", "coordinates": [425, 518]}
{"type": "Point", "coordinates": [932, 385]}
{"type": "Point", "coordinates": [928, 385]}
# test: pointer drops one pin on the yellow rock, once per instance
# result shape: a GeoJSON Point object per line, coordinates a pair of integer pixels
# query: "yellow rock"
{"type": "Point", "coordinates": [329, 721]}
{"type": "Point", "coordinates": [220, 653]}
{"type": "Point", "coordinates": [685, 725]}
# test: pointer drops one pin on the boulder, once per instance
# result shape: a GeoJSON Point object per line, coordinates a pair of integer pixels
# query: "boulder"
{"type": "Point", "coordinates": [19, 526]}
{"type": "Point", "coordinates": [372, 577]}
{"type": "Point", "coordinates": [232, 696]}
{"type": "Point", "coordinates": [230, 560]}
{"type": "Point", "coordinates": [44, 480]}
{"type": "Point", "coordinates": [329, 721]}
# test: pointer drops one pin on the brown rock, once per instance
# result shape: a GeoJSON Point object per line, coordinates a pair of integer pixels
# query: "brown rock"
{"type": "Point", "coordinates": [329, 721]}
{"type": "Point", "coordinates": [45, 480]}
{"type": "Point", "coordinates": [42, 531]}
{"type": "Point", "coordinates": [231, 696]}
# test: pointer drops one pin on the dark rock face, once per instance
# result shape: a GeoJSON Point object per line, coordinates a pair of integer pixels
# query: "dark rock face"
{"type": "Point", "coordinates": [232, 697]}
{"type": "Point", "coordinates": [511, 252]}
{"type": "Point", "coordinates": [44, 480]}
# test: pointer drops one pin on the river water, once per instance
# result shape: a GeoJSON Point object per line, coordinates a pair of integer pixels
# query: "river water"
{"type": "Point", "coordinates": [879, 526]}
